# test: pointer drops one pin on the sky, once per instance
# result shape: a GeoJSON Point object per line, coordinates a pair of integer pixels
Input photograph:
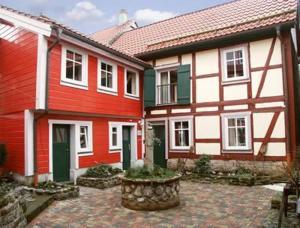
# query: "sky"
{"type": "Point", "coordinates": [89, 16]}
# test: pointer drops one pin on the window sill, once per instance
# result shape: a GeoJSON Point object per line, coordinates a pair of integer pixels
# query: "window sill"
{"type": "Point", "coordinates": [130, 96]}
{"type": "Point", "coordinates": [74, 85]}
{"type": "Point", "coordinates": [83, 154]}
{"type": "Point", "coordinates": [237, 151]}
{"type": "Point", "coordinates": [109, 92]}
{"type": "Point", "coordinates": [116, 150]}
{"type": "Point", "coordinates": [167, 104]}
{"type": "Point", "coordinates": [179, 151]}
{"type": "Point", "coordinates": [237, 81]}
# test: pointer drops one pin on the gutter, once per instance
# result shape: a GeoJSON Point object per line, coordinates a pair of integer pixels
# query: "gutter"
{"type": "Point", "coordinates": [45, 111]}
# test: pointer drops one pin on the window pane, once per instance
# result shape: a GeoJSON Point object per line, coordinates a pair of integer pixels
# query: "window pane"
{"type": "Point", "coordinates": [185, 124]}
{"type": "Point", "coordinates": [109, 68]}
{"type": "Point", "coordinates": [177, 125]}
{"type": "Point", "coordinates": [103, 66]}
{"type": "Point", "coordinates": [83, 137]}
{"type": "Point", "coordinates": [239, 68]}
{"type": "Point", "coordinates": [241, 137]}
{"type": "Point", "coordinates": [241, 122]}
{"type": "Point", "coordinates": [70, 54]}
{"type": "Point", "coordinates": [129, 84]}
{"type": "Point", "coordinates": [78, 57]}
{"type": "Point", "coordinates": [173, 76]}
{"type": "Point", "coordinates": [114, 129]}
{"type": "Point", "coordinates": [69, 69]}
{"type": "Point", "coordinates": [231, 122]}
{"type": "Point", "coordinates": [231, 137]}
{"type": "Point", "coordinates": [103, 78]}
{"type": "Point", "coordinates": [164, 78]}
{"type": "Point", "coordinates": [177, 138]}
{"type": "Point", "coordinates": [78, 72]}
{"type": "Point", "coordinates": [109, 80]}
{"type": "Point", "coordinates": [229, 56]}
{"type": "Point", "coordinates": [239, 54]}
{"type": "Point", "coordinates": [114, 139]}
{"type": "Point", "coordinates": [230, 69]}
{"type": "Point", "coordinates": [185, 138]}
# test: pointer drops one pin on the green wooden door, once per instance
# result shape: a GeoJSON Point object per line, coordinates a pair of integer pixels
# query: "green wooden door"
{"type": "Point", "coordinates": [126, 148]}
{"type": "Point", "coordinates": [159, 149]}
{"type": "Point", "coordinates": [61, 153]}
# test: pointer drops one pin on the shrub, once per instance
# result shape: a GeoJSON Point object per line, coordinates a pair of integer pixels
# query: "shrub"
{"type": "Point", "coordinates": [145, 172]}
{"type": "Point", "coordinates": [101, 171]}
{"type": "Point", "coordinates": [3, 154]}
{"type": "Point", "coordinates": [243, 171]}
{"type": "Point", "coordinates": [203, 166]}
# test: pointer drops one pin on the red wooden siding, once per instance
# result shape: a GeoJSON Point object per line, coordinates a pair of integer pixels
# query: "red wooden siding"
{"type": "Point", "coordinates": [18, 51]}
{"type": "Point", "coordinates": [89, 101]}
{"type": "Point", "coordinates": [12, 135]}
{"type": "Point", "coordinates": [100, 142]}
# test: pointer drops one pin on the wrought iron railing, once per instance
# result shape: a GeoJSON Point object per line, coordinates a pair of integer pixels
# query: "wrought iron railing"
{"type": "Point", "coordinates": [166, 94]}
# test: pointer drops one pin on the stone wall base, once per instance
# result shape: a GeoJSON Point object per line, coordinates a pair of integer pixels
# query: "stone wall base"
{"type": "Point", "coordinates": [267, 167]}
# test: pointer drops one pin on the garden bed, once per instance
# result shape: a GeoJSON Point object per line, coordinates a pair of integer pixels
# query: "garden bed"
{"type": "Point", "coordinates": [101, 176]}
{"type": "Point", "coordinates": [150, 192]}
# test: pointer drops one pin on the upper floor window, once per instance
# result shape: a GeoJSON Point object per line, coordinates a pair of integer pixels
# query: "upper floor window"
{"type": "Point", "coordinates": [167, 87]}
{"type": "Point", "coordinates": [236, 129]}
{"type": "Point", "coordinates": [107, 77]}
{"type": "Point", "coordinates": [235, 64]}
{"type": "Point", "coordinates": [131, 83]}
{"type": "Point", "coordinates": [74, 68]}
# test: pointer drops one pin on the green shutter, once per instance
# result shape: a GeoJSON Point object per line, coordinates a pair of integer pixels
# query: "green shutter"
{"type": "Point", "coordinates": [149, 88]}
{"type": "Point", "coordinates": [184, 85]}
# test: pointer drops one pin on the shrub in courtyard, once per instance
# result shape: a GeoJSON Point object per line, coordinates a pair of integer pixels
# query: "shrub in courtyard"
{"type": "Point", "coordinates": [146, 172]}
{"type": "Point", "coordinates": [243, 171]}
{"type": "Point", "coordinates": [102, 170]}
{"type": "Point", "coordinates": [203, 166]}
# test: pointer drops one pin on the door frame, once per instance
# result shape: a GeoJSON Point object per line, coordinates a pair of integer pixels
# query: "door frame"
{"type": "Point", "coordinates": [160, 121]}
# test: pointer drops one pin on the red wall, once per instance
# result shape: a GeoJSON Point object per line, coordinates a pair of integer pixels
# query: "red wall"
{"type": "Point", "coordinates": [100, 142]}
{"type": "Point", "coordinates": [18, 53]}
{"type": "Point", "coordinates": [89, 101]}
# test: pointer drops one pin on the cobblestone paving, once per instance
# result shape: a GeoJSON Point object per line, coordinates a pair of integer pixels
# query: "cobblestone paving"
{"type": "Point", "coordinates": [202, 205]}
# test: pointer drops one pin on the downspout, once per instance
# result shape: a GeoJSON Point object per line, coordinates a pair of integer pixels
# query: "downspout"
{"type": "Point", "coordinates": [45, 111]}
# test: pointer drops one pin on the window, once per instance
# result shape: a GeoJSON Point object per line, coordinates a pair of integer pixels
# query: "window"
{"type": "Point", "coordinates": [235, 64]}
{"type": "Point", "coordinates": [167, 87]}
{"type": "Point", "coordinates": [114, 137]}
{"type": "Point", "coordinates": [74, 68]}
{"type": "Point", "coordinates": [84, 138]}
{"type": "Point", "coordinates": [236, 129]}
{"type": "Point", "coordinates": [132, 83]}
{"type": "Point", "coordinates": [107, 77]}
{"type": "Point", "coordinates": [181, 133]}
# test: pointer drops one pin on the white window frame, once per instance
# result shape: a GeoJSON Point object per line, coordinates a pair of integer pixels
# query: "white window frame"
{"type": "Point", "coordinates": [129, 95]}
{"type": "Point", "coordinates": [69, 82]}
{"type": "Point", "coordinates": [118, 147]}
{"type": "Point", "coordinates": [104, 89]}
{"type": "Point", "coordinates": [244, 50]}
{"type": "Point", "coordinates": [225, 136]}
{"type": "Point", "coordinates": [172, 133]}
{"type": "Point", "coordinates": [89, 147]}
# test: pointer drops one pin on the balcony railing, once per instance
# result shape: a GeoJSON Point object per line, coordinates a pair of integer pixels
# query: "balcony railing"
{"type": "Point", "coordinates": [166, 94]}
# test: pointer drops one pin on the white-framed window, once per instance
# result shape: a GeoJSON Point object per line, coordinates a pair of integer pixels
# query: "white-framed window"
{"type": "Point", "coordinates": [74, 68]}
{"type": "Point", "coordinates": [181, 133]}
{"type": "Point", "coordinates": [131, 83]}
{"type": "Point", "coordinates": [84, 138]}
{"type": "Point", "coordinates": [107, 77]}
{"type": "Point", "coordinates": [115, 137]}
{"type": "Point", "coordinates": [235, 63]}
{"type": "Point", "coordinates": [236, 131]}
{"type": "Point", "coordinates": [166, 88]}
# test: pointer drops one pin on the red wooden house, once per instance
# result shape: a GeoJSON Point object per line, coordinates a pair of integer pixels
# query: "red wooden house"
{"type": "Point", "coordinates": [67, 102]}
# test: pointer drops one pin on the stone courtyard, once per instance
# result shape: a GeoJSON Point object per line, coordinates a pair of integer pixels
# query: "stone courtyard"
{"type": "Point", "coordinates": [202, 205]}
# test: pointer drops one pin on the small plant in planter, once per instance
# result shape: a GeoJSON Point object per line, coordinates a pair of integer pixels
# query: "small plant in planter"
{"type": "Point", "coordinates": [102, 171]}
{"type": "Point", "coordinates": [203, 166]}
{"type": "Point", "coordinates": [3, 157]}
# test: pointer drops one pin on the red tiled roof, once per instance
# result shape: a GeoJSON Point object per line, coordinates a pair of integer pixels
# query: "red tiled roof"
{"type": "Point", "coordinates": [100, 45]}
{"type": "Point", "coordinates": [229, 18]}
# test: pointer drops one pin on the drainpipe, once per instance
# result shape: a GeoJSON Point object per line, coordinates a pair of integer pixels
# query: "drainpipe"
{"type": "Point", "coordinates": [45, 111]}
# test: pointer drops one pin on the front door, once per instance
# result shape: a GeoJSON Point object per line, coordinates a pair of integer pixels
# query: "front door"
{"type": "Point", "coordinates": [61, 152]}
{"type": "Point", "coordinates": [159, 148]}
{"type": "Point", "coordinates": [126, 148]}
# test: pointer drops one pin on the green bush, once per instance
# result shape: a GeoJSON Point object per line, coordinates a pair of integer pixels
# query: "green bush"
{"type": "Point", "coordinates": [145, 172]}
{"type": "Point", "coordinates": [243, 171]}
{"type": "Point", "coordinates": [102, 170]}
{"type": "Point", "coordinates": [203, 166]}
{"type": "Point", "coordinates": [3, 154]}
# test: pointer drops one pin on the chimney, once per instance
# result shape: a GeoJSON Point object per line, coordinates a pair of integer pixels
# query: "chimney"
{"type": "Point", "coordinates": [123, 16]}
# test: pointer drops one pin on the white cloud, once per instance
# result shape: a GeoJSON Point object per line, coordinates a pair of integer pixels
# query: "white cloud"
{"type": "Point", "coordinates": [84, 10]}
{"type": "Point", "coordinates": [146, 16]}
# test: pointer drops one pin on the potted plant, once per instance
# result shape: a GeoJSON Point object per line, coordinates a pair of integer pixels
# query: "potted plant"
{"type": "Point", "coordinates": [3, 156]}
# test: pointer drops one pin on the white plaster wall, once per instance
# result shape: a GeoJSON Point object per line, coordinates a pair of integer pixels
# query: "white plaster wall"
{"type": "Point", "coordinates": [159, 112]}
{"type": "Point", "coordinates": [235, 92]}
{"type": "Point", "coordinates": [207, 89]}
{"type": "Point", "coordinates": [166, 61]}
{"type": "Point", "coordinates": [259, 52]}
{"type": "Point", "coordinates": [207, 109]}
{"type": "Point", "coordinates": [279, 129]}
{"type": "Point", "coordinates": [207, 127]}
{"type": "Point", "coordinates": [276, 149]}
{"type": "Point", "coordinates": [255, 80]}
{"type": "Point", "coordinates": [208, 148]}
{"type": "Point", "coordinates": [235, 107]}
{"type": "Point", "coordinates": [261, 123]}
{"type": "Point", "coordinates": [270, 104]}
{"type": "Point", "coordinates": [276, 57]}
{"type": "Point", "coordinates": [186, 110]}
{"type": "Point", "coordinates": [257, 146]}
{"type": "Point", "coordinates": [207, 62]}
{"type": "Point", "coordinates": [273, 85]}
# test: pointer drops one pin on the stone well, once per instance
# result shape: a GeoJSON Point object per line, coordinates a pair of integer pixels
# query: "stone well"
{"type": "Point", "coordinates": [149, 194]}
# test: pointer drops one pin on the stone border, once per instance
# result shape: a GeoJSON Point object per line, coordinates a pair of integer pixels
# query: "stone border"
{"type": "Point", "coordinates": [100, 183]}
{"type": "Point", "coordinates": [65, 192]}
{"type": "Point", "coordinates": [150, 194]}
